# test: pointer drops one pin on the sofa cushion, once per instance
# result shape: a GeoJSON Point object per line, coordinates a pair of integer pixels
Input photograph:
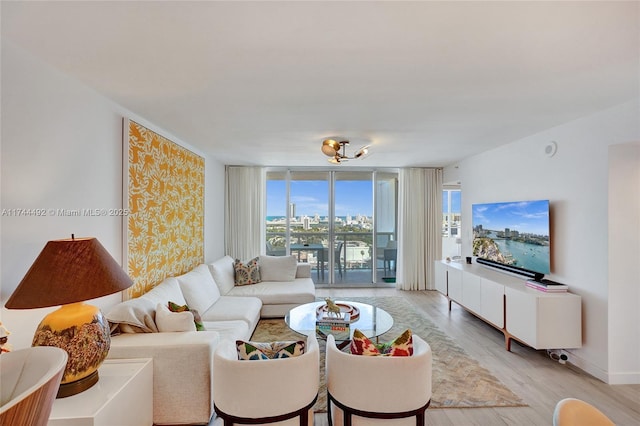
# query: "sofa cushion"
{"type": "Point", "coordinates": [138, 314]}
{"type": "Point", "coordinates": [230, 330]}
{"type": "Point", "coordinates": [246, 273]}
{"type": "Point", "coordinates": [272, 350]}
{"type": "Point", "coordinates": [303, 270]}
{"type": "Point", "coordinates": [168, 321]}
{"type": "Point", "coordinates": [169, 289]}
{"type": "Point", "coordinates": [278, 268]}
{"type": "Point", "coordinates": [229, 308]}
{"type": "Point", "coordinates": [277, 292]}
{"type": "Point", "coordinates": [223, 273]}
{"type": "Point", "coordinates": [199, 289]}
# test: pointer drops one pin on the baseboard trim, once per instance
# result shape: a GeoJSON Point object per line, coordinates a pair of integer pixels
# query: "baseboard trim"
{"type": "Point", "coordinates": [619, 378]}
{"type": "Point", "coordinates": [631, 378]}
{"type": "Point", "coordinates": [588, 367]}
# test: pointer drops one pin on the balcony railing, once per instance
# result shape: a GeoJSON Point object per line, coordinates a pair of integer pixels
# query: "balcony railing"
{"type": "Point", "coordinates": [356, 251]}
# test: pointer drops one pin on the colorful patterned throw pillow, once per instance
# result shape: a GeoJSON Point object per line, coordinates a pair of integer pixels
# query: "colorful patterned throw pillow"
{"type": "Point", "coordinates": [174, 307]}
{"type": "Point", "coordinates": [273, 350]}
{"type": "Point", "coordinates": [248, 273]}
{"type": "Point", "coordinates": [400, 346]}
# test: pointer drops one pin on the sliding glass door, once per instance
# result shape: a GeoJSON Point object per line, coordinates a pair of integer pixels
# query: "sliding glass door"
{"type": "Point", "coordinates": [386, 226]}
{"type": "Point", "coordinates": [326, 218]}
{"type": "Point", "coordinates": [353, 226]}
{"type": "Point", "coordinates": [310, 225]}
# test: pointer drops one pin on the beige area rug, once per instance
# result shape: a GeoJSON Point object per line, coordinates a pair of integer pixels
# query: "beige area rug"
{"type": "Point", "coordinates": [458, 380]}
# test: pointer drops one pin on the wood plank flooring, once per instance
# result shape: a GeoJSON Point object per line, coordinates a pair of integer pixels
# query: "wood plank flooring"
{"type": "Point", "coordinates": [538, 380]}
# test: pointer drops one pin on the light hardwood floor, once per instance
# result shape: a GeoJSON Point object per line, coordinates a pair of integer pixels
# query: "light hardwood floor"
{"type": "Point", "coordinates": [532, 375]}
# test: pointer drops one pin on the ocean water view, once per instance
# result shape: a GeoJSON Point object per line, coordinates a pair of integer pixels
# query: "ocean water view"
{"type": "Point", "coordinates": [529, 256]}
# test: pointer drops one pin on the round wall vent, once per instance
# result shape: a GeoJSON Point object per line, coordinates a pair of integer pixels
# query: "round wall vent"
{"type": "Point", "coordinates": [550, 149]}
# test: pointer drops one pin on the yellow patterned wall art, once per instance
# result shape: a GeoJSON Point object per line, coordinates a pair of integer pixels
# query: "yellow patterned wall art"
{"type": "Point", "coordinates": [164, 235]}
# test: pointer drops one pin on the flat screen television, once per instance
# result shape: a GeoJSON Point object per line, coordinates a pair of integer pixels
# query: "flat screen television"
{"type": "Point", "coordinates": [513, 234]}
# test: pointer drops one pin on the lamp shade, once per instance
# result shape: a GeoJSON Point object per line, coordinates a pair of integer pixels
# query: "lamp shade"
{"type": "Point", "coordinates": [69, 271]}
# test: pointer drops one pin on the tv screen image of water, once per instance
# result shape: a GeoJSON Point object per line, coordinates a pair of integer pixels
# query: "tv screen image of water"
{"type": "Point", "coordinates": [528, 256]}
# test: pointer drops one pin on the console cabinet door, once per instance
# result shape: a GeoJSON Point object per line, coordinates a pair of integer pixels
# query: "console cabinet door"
{"type": "Point", "coordinates": [522, 315]}
{"type": "Point", "coordinates": [441, 277]}
{"type": "Point", "coordinates": [544, 321]}
{"type": "Point", "coordinates": [492, 302]}
{"type": "Point", "coordinates": [454, 281]}
{"type": "Point", "coordinates": [471, 292]}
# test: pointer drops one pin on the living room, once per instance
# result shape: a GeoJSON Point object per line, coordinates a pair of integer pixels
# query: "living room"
{"type": "Point", "coordinates": [62, 149]}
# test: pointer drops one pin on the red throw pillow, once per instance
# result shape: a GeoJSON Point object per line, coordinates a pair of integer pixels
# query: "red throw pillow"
{"type": "Point", "coordinates": [400, 346]}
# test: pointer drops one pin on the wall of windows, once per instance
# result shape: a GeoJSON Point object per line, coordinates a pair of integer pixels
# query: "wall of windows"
{"type": "Point", "coordinates": [451, 222]}
{"type": "Point", "coordinates": [342, 222]}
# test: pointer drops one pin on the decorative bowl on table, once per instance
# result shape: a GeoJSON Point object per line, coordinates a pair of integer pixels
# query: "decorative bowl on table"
{"type": "Point", "coordinates": [322, 311]}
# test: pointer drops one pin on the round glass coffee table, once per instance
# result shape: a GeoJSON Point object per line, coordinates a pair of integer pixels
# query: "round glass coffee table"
{"type": "Point", "coordinates": [371, 321]}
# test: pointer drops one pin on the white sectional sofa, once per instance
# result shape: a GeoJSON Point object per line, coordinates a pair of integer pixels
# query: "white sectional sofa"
{"type": "Point", "coordinates": [183, 357]}
{"type": "Point", "coordinates": [285, 283]}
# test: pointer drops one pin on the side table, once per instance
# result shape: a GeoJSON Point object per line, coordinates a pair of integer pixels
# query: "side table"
{"type": "Point", "coordinates": [123, 396]}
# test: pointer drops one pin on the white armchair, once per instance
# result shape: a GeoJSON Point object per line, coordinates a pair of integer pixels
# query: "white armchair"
{"type": "Point", "coordinates": [363, 390]}
{"type": "Point", "coordinates": [29, 380]}
{"type": "Point", "coordinates": [272, 391]}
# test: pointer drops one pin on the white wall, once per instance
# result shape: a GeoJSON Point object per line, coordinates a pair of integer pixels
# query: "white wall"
{"type": "Point", "coordinates": [214, 210]}
{"type": "Point", "coordinates": [575, 180]}
{"type": "Point", "coordinates": [624, 263]}
{"type": "Point", "coordinates": [62, 149]}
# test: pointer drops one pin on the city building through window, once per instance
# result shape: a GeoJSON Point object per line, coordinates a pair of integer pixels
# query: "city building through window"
{"type": "Point", "coordinates": [344, 223]}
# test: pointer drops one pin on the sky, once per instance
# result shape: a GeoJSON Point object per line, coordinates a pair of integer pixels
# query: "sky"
{"type": "Point", "coordinates": [310, 197]}
{"type": "Point", "coordinates": [455, 202]}
{"type": "Point", "coordinates": [523, 216]}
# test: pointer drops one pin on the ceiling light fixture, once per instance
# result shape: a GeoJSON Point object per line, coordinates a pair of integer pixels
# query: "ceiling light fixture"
{"type": "Point", "coordinates": [331, 148]}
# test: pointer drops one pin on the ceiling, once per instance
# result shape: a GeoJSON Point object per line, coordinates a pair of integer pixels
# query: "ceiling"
{"type": "Point", "coordinates": [263, 83]}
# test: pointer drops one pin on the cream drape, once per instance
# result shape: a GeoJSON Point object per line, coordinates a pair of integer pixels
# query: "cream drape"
{"type": "Point", "coordinates": [419, 227]}
{"type": "Point", "coordinates": [244, 217]}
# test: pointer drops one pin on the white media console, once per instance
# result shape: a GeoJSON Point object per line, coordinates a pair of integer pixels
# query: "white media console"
{"type": "Point", "coordinates": [535, 318]}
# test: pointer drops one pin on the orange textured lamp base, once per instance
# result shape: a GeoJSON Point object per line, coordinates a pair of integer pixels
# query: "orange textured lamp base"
{"type": "Point", "coordinates": [83, 332]}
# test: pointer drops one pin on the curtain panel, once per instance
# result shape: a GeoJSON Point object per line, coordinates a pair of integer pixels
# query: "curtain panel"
{"type": "Point", "coordinates": [419, 227]}
{"type": "Point", "coordinates": [244, 211]}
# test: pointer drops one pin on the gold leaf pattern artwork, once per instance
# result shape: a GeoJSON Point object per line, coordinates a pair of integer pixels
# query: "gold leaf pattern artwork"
{"type": "Point", "coordinates": [165, 226]}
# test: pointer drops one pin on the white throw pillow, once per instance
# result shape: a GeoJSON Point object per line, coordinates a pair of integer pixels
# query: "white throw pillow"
{"type": "Point", "coordinates": [173, 321]}
{"type": "Point", "coordinates": [199, 289]}
{"type": "Point", "coordinates": [223, 274]}
{"type": "Point", "coordinates": [278, 268]}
